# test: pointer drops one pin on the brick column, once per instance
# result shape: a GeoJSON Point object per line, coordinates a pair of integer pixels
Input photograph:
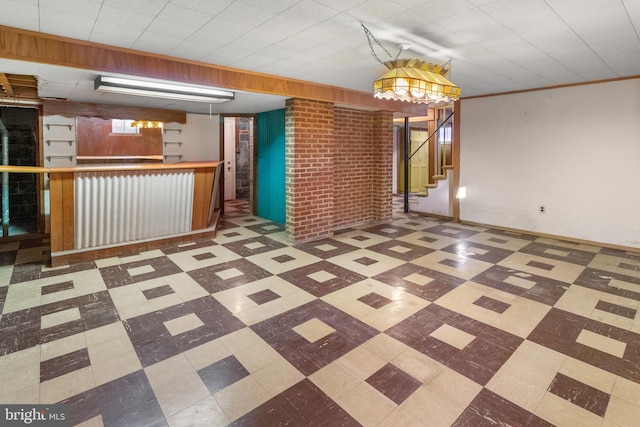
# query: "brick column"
{"type": "Point", "coordinates": [382, 175]}
{"type": "Point", "coordinates": [309, 157]}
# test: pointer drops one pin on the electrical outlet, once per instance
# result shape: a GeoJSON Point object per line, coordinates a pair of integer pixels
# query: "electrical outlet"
{"type": "Point", "coordinates": [542, 209]}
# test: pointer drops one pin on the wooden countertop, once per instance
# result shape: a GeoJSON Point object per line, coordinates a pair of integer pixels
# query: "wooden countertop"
{"type": "Point", "coordinates": [110, 167]}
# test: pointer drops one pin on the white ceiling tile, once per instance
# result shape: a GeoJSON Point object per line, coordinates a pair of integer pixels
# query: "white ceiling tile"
{"type": "Point", "coordinates": [438, 10]}
{"type": "Point", "coordinates": [156, 43]}
{"type": "Point", "coordinates": [208, 7]}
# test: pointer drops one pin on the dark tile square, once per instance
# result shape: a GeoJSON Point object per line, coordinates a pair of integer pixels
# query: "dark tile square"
{"type": "Point", "coordinates": [580, 394]}
{"type": "Point", "coordinates": [283, 258]}
{"type": "Point", "coordinates": [394, 383]}
{"type": "Point", "coordinates": [375, 300]}
{"type": "Point", "coordinates": [231, 234]}
{"type": "Point", "coordinates": [204, 256]}
{"type": "Point", "coordinates": [600, 280]}
{"type": "Point", "coordinates": [440, 283]}
{"type": "Point", "coordinates": [118, 275]}
{"type": "Point", "coordinates": [492, 304]}
{"type": "Point", "coordinates": [168, 250]}
{"type": "Point", "coordinates": [451, 263]}
{"type": "Point", "coordinates": [388, 230]}
{"type": "Point", "coordinates": [575, 256]}
{"type": "Point", "coordinates": [541, 265]}
{"type": "Point", "coordinates": [365, 261]}
{"type": "Point", "coordinates": [58, 287]}
{"type": "Point", "coordinates": [263, 297]}
{"type": "Point", "coordinates": [619, 310]}
{"type": "Point", "coordinates": [303, 402]}
{"type": "Point", "coordinates": [158, 292]}
{"type": "Point", "coordinates": [451, 231]}
{"type": "Point", "coordinates": [326, 248]}
{"type": "Point", "coordinates": [266, 228]}
{"type": "Point", "coordinates": [64, 364]}
{"type": "Point", "coordinates": [222, 374]}
{"type": "Point", "coordinates": [361, 238]}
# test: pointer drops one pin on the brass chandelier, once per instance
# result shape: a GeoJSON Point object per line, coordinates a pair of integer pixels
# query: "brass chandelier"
{"type": "Point", "coordinates": [412, 80]}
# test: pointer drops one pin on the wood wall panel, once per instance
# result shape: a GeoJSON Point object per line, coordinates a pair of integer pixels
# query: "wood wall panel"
{"type": "Point", "coordinates": [68, 209]}
{"type": "Point", "coordinates": [104, 111]}
{"type": "Point", "coordinates": [202, 193]}
{"type": "Point", "coordinates": [56, 212]}
{"type": "Point", "coordinates": [94, 138]}
{"type": "Point", "coordinates": [38, 47]}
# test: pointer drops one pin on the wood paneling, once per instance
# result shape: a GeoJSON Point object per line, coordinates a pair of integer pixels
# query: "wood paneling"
{"type": "Point", "coordinates": [61, 211]}
{"type": "Point", "coordinates": [68, 209]}
{"type": "Point", "coordinates": [94, 138]}
{"type": "Point", "coordinates": [37, 47]}
{"type": "Point", "coordinates": [202, 192]}
{"type": "Point", "coordinates": [72, 109]}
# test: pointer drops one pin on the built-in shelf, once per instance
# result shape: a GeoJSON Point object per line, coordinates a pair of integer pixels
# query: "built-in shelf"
{"type": "Point", "coordinates": [119, 157]}
{"type": "Point", "coordinates": [165, 130]}
{"type": "Point", "coordinates": [67, 156]}
{"type": "Point", "coordinates": [68, 141]}
{"type": "Point", "coordinates": [173, 142]}
{"type": "Point", "coordinates": [48, 125]}
{"type": "Point", "coordinates": [173, 155]}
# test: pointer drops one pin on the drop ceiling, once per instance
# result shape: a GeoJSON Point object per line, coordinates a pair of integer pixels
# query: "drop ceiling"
{"type": "Point", "coordinates": [494, 46]}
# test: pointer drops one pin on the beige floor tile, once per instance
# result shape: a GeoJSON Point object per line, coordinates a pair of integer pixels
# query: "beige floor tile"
{"type": "Point", "coordinates": [400, 417]}
{"type": "Point", "coordinates": [183, 324]}
{"type": "Point", "coordinates": [385, 347]}
{"type": "Point", "coordinates": [176, 384]}
{"type": "Point", "coordinates": [453, 336]}
{"type": "Point", "coordinates": [278, 376]}
{"type": "Point", "coordinates": [421, 367]}
{"type": "Point", "coordinates": [62, 346]}
{"type": "Point", "coordinates": [439, 242]}
{"type": "Point", "coordinates": [432, 408]}
{"type": "Point", "coordinates": [370, 239]}
{"type": "Point", "coordinates": [67, 385]}
{"type": "Point", "coordinates": [539, 355]}
{"type": "Point", "coordinates": [205, 413]}
{"type": "Point", "coordinates": [240, 339]}
{"type": "Point", "coordinates": [92, 422]}
{"type": "Point", "coordinates": [454, 387]}
{"type": "Point", "coordinates": [579, 300]}
{"type": "Point", "coordinates": [335, 380]}
{"type": "Point", "coordinates": [622, 412]}
{"type": "Point", "coordinates": [313, 329]}
{"type": "Point", "coordinates": [268, 260]}
{"type": "Point", "coordinates": [361, 362]}
{"type": "Point", "coordinates": [602, 343]}
{"type": "Point", "coordinates": [207, 354]}
{"type": "Point", "coordinates": [367, 405]}
{"type": "Point", "coordinates": [627, 390]}
{"type": "Point", "coordinates": [28, 395]}
{"type": "Point", "coordinates": [105, 333]}
{"type": "Point", "coordinates": [60, 317]}
{"type": "Point", "coordinates": [384, 262]}
{"type": "Point", "coordinates": [110, 349]}
{"type": "Point", "coordinates": [106, 370]}
{"type": "Point", "coordinates": [241, 397]}
{"type": "Point", "coordinates": [19, 359]}
{"type": "Point", "coordinates": [16, 378]}
{"type": "Point", "coordinates": [257, 356]}
{"type": "Point", "coordinates": [612, 263]}
{"type": "Point", "coordinates": [517, 390]}
{"type": "Point", "coordinates": [563, 413]}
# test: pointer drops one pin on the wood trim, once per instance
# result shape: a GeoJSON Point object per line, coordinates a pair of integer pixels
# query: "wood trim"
{"type": "Point", "coordinates": [56, 211]}
{"type": "Point", "coordinates": [24, 45]}
{"type": "Point", "coordinates": [455, 154]}
{"type": "Point", "coordinates": [52, 107]}
{"type": "Point", "coordinates": [68, 209]}
{"type": "Point", "coordinates": [110, 167]}
{"type": "Point", "coordinates": [593, 82]}
{"type": "Point", "coordinates": [202, 193]}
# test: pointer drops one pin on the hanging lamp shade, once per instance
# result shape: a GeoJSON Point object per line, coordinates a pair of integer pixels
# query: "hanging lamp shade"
{"type": "Point", "coordinates": [413, 80]}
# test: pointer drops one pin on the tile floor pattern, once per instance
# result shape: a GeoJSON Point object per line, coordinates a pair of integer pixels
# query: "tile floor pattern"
{"type": "Point", "coordinates": [413, 322]}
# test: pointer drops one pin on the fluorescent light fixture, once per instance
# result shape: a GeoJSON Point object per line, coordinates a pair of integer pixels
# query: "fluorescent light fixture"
{"type": "Point", "coordinates": [162, 89]}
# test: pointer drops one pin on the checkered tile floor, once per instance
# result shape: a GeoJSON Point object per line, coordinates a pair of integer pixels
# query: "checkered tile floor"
{"type": "Point", "coordinates": [415, 322]}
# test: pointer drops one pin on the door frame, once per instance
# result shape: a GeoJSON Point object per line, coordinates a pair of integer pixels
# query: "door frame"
{"type": "Point", "coordinates": [252, 183]}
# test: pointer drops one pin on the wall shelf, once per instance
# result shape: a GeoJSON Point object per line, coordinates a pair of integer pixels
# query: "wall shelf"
{"type": "Point", "coordinates": [173, 155]}
{"type": "Point", "coordinates": [48, 125]}
{"type": "Point", "coordinates": [59, 157]}
{"type": "Point", "coordinates": [165, 130]}
{"type": "Point", "coordinates": [173, 142]}
{"type": "Point", "coordinates": [68, 141]}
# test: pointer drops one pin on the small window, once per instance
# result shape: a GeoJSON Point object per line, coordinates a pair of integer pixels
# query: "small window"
{"type": "Point", "coordinates": [122, 126]}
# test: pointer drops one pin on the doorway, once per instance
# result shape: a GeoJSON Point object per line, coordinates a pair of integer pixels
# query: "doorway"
{"type": "Point", "coordinates": [237, 143]}
{"type": "Point", "coordinates": [20, 191]}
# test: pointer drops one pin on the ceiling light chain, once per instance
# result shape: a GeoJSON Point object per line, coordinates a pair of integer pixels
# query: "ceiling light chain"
{"type": "Point", "coordinates": [373, 53]}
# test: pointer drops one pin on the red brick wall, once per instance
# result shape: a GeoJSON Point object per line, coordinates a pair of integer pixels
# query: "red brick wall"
{"type": "Point", "coordinates": [353, 168]}
{"type": "Point", "coordinates": [338, 168]}
{"type": "Point", "coordinates": [309, 156]}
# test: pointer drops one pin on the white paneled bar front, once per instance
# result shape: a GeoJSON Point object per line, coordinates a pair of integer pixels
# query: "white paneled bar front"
{"type": "Point", "coordinates": [114, 207]}
{"type": "Point", "coordinates": [104, 210]}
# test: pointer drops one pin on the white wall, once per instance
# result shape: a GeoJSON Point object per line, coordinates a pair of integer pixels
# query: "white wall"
{"type": "Point", "coordinates": [574, 150]}
{"type": "Point", "coordinates": [200, 138]}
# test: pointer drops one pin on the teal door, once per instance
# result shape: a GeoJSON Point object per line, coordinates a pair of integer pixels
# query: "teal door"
{"type": "Point", "coordinates": [270, 166]}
